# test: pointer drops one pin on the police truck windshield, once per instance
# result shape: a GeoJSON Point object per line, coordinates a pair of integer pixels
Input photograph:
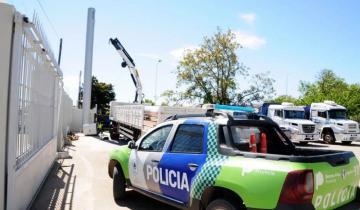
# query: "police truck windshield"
{"type": "Point", "coordinates": [337, 114]}
{"type": "Point", "coordinates": [291, 114]}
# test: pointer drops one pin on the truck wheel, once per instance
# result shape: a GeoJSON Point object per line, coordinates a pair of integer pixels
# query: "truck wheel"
{"type": "Point", "coordinates": [114, 136]}
{"type": "Point", "coordinates": [346, 142]}
{"type": "Point", "coordinates": [119, 186]}
{"type": "Point", "coordinates": [220, 204]}
{"type": "Point", "coordinates": [329, 138]}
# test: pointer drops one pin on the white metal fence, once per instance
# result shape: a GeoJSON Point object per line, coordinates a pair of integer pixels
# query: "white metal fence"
{"type": "Point", "coordinates": [40, 93]}
{"type": "Point", "coordinates": [39, 112]}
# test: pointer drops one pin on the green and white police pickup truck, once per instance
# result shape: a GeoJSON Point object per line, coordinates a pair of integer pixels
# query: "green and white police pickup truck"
{"type": "Point", "coordinates": [205, 162]}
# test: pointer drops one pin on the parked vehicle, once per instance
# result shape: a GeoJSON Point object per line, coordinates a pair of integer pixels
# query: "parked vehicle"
{"type": "Point", "coordinates": [235, 111]}
{"type": "Point", "coordinates": [215, 161]}
{"type": "Point", "coordinates": [292, 119]}
{"type": "Point", "coordinates": [133, 120]}
{"type": "Point", "coordinates": [333, 123]}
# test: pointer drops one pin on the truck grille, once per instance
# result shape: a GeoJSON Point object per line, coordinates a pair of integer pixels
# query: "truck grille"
{"type": "Point", "coordinates": [352, 126]}
{"type": "Point", "coordinates": [308, 128]}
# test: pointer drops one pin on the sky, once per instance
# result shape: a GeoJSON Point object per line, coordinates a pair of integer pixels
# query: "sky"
{"type": "Point", "coordinates": [292, 40]}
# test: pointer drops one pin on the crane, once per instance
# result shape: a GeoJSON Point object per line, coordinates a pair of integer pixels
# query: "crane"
{"type": "Point", "coordinates": [129, 62]}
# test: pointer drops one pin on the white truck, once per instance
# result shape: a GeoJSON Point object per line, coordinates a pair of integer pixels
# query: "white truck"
{"type": "Point", "coordinates": [133, 120]}
{"type": "Point", "coordinates": [291, 119]}
{"type": "Point", "coordinates": [333, 123]}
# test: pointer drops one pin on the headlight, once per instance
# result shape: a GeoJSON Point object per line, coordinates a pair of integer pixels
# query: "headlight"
{"type": "Point", "coordinates": [295, 130]}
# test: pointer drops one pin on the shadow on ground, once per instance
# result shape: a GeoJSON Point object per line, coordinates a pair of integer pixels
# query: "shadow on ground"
{"type": "Point", "coordinates": [117, 142]}
{"type": "Point", "coordinates": [137, 201]}
{"type": "Point", "coordinates": [58, 191]}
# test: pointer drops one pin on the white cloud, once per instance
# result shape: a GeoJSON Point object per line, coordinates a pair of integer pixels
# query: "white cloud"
{"type": "Point", "coordinates": [249, 41]}
{"type": "Point", "coordinates": [249, 18]}
{"type": "Point", "coordinates": [179, 53]}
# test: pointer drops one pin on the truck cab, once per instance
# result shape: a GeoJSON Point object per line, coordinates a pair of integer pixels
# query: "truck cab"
{"type": "Point", "coordinates": [333, 123]}
{"type": "Point", "coordinates": [292, 119]}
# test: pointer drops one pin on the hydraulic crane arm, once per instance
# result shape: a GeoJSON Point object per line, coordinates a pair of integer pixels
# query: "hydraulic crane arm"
{"type": "Point", "coordinates": [129, 62]}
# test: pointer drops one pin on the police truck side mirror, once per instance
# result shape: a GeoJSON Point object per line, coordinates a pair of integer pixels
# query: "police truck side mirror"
{"type": "Point", "coordinates": [131, 144]}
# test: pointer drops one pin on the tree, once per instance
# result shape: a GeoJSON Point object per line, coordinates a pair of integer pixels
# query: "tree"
{"type": "Point", "coordinates": [285, 98]}
{"type": "Point", "coordinates": [149, 101]}
{"type": "Point", "coordinates": [101, 94]}
{"type": "Point", "coordinates": [329, 86]}
{"type": "Point", "coordinates": [210, 74]}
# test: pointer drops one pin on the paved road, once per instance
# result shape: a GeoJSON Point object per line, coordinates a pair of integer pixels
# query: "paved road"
{"type": "Point", "coordinates": [82, 182]}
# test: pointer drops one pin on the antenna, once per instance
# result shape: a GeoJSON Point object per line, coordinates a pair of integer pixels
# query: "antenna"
{"type": "Point", "coordinates": [286, 83]}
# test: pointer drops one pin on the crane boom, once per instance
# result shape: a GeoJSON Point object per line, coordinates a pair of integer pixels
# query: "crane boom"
{"type": "Point", "coordinates": [129, 62]}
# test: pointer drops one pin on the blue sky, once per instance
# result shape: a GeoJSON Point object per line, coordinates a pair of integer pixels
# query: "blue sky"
{"type": "Point", "coordinates": [290, 39]}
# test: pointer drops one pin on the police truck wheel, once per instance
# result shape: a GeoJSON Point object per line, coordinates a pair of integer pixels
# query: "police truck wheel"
{"type": "Point", "coordinates": [119, 186]}
{"type": "Point", "coordinates": [220, 204]}
{"type": "Point", "coordinates": [329, 138]}
{"type": "Point", "coordinates": [346, 142]}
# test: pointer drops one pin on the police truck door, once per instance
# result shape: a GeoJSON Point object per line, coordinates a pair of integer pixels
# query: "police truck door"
{"type": "Point", "coordinates": [144, 161]}
{"type": "Point", "coordinates": [181, 161]}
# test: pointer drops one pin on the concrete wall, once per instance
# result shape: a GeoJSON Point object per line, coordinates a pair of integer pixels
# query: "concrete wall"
{"type": "Point", "coordinates": [76, 121]}
{"type": "Point", "coordinates": [6, 20]}
{"type": "Point", "coordinates": [31, 175]}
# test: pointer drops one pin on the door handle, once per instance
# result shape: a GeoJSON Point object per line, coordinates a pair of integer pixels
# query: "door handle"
{"type": "Point", "coordinates": [155, 161]}
{"type": "Point", "coordinates": [193, 166]}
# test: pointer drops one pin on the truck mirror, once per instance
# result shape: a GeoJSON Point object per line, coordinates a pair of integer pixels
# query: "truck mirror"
{"type": "Point", "coordinates": [131, 144]}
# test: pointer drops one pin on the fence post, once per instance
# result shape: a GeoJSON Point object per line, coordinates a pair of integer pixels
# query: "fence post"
{"type": "Point", "coordinates": [6, 25]}
{"type": "Point", "coordinates": [13, 112]}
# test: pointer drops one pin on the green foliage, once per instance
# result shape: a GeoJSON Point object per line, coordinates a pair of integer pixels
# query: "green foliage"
{"type": "Point", "coordinates": [101, 94]}
{"type": "Point", "coordinates": [285, 98]}
{"type": "Point", "coordinates": [210, 74]}
{"type": "Point", "coordinates": [149, 101]}
{"type": "Point", "coordinates": [329, 86]}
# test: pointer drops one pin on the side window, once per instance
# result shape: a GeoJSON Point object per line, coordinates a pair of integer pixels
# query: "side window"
{"type": "Point", "coordinates": [188, 139]}
{"type": "Point", "coordinates": [278, 113]}
{"type": "Point", "coordinates": [241, 134]}
{"type": "Point", "coordinates": [322, 114]}
{"type": "Point", "coordinates": [154, 142]}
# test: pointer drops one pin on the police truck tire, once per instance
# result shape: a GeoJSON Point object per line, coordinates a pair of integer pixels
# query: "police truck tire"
{"type": "Point", "coordinates": [119, 186]}
{"type": "Point", "coordinates": [329, 138]}
{"type": "Point", "coordinates": [220, 204]}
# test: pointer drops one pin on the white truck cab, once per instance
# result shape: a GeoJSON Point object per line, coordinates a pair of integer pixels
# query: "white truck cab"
{"type": "Point", "coordinates": [292, 118]}
{"type": "Point", "coordinates": [333, 123]}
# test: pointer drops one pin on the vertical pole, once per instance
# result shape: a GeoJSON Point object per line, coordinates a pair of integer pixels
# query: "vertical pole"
{"type": "Point", "coordinates": [88, 65]}
{"type": "Point", "coordinates": [60, 50]}
{"type": "Point", "coordinates": [156, 79]}
{"type": "Point", "coordinates": [79, 94]}
{"type": "Point", "coordinates": [6, 32]}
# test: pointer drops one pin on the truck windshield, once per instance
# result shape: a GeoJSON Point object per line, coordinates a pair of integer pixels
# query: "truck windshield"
{"type": "Point", "coordinates": [337, 114]}
{"type": "Point", "coordinates": [291, 114]}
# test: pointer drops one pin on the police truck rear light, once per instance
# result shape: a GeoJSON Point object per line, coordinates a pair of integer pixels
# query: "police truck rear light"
{"type": "Point", "coordinates": [298, 187]}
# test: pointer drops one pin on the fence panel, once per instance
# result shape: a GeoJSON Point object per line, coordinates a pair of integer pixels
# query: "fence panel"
{"type": "Point", "coordinates": [39, 113]}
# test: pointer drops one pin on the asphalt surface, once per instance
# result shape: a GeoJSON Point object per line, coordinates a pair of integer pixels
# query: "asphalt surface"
{"type": "Point", "coordinates": [82, 182]}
